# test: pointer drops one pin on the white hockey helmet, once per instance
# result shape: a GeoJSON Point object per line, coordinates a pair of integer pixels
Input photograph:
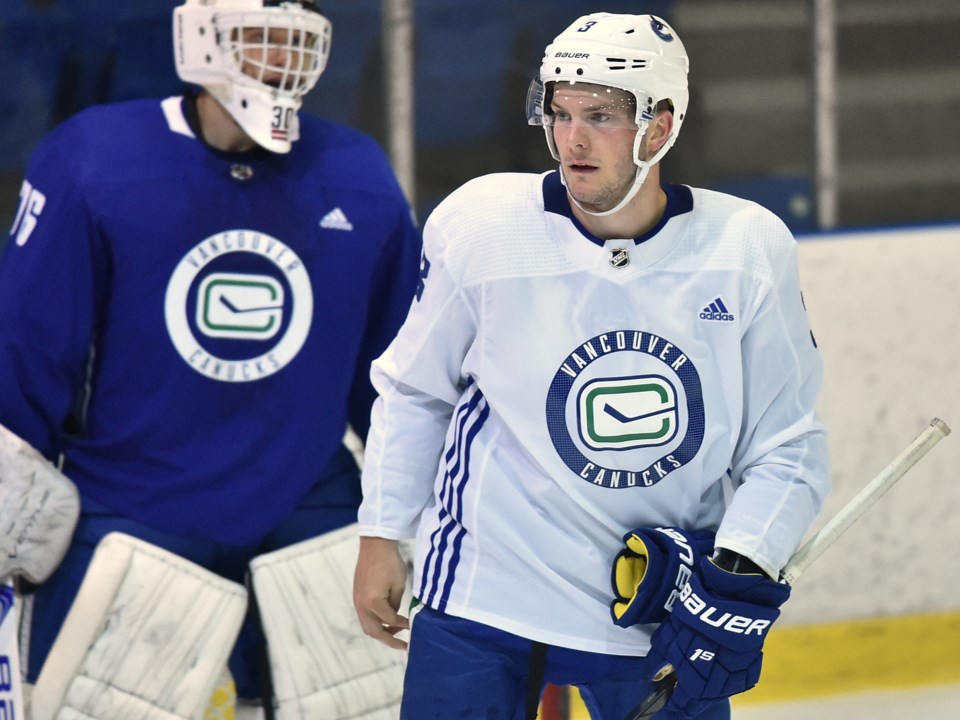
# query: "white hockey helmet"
{"type": "Point", "coordinates": [640, 54]}
{"type": "Point", "coordinates": [258, 58]}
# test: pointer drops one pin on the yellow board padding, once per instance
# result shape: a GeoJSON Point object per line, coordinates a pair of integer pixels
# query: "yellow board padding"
{"type": "Point", "coordinates": [808, 661]}
{"type": "Point", "coordinates": [578, 711]}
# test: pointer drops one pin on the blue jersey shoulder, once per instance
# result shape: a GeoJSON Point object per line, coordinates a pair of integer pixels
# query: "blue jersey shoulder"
{"type": "Point", "coordinates": [135, 137]}
{"type": "Point", "coordinates": [103, 137]}
{"type": "Point", "coordinates": [356, 157]}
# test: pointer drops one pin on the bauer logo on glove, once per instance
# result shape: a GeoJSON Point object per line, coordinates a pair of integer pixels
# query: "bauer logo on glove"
{"type": "Point", "coordinates": [649, 573]}
{"type": "Point", "coordinates": [714, 637]}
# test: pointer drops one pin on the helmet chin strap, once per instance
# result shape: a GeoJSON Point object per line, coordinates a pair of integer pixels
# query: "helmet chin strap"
{"type": "Point", "coordinates": [643, 169]}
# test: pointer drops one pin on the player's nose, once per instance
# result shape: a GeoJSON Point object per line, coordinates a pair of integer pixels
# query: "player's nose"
{"type": "Point", "coordinates": [578, 135]}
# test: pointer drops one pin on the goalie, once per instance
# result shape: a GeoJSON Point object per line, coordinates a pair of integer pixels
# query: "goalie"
{"type": "Point", "coordinates": [193, 291]}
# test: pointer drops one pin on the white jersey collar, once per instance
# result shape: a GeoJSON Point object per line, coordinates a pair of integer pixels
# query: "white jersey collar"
{"type": "Point", "coordinates": [642, 251]}
{"type": "Point", "coordinates": [176, 119]}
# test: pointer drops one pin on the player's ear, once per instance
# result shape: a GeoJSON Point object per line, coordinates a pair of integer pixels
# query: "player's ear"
{"type": "Point", "coordinates": [659, 131]}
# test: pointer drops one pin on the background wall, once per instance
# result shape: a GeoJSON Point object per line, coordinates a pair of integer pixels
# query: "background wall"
{"type": "Point", "coordinates": [885, 309]}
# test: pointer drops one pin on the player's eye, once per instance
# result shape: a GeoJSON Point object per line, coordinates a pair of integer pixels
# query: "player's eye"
{"type": "Point", "coordinates": [253, 36]}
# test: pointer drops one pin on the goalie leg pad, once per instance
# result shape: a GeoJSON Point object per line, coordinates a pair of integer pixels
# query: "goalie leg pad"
{"type": "Point", "coordinates": [39, 507]}
{"type": "Point", "coordinates": [11, 691]}
{"type": "Point", "coordinates": [147, 636]}
{"type": "Point", "coordinates": [322, 664]}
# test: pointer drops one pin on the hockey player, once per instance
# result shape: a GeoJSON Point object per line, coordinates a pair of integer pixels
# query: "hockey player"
{"type": "Point", "coordinates": [593, 356]}
{"type": "Point", "coordinates": [193, 290]}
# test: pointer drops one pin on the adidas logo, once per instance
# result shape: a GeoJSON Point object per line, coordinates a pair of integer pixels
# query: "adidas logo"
{"type": "Point", "coordinates": [336, 220]}
{"type": "Point", "coordinates": [717, 311]}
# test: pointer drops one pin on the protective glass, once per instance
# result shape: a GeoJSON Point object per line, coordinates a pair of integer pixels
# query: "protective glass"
{"type": "Point", "coordinates": [284, 51]}
{"type": "Point", "coordinates": [534, 105]}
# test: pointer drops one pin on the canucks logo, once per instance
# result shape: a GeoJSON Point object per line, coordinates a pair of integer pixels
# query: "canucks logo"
{"type": "Point", "coordinates": [239, 306]}
{"type": "Point", "coordinates": [660, 28]}
{"type": "Point", "coordinates": [627, 413]}
{"type": "Point", "coordinates": [616, 427]}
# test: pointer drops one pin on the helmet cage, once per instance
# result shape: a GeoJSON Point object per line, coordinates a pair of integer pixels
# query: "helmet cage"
{"type": "Point", "coordinates": [258, 58]}
{"type": "Point", "coordinates": [249, 40]}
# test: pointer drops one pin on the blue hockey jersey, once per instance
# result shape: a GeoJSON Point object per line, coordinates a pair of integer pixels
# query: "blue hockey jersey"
{"type": "Point", "coordinates": [192, 330]}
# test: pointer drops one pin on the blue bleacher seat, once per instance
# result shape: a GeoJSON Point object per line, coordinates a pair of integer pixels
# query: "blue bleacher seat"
{"type": "Point", "coordinates": [143, 64]}
{"type": "Point", "coordinates": [791, 198]}
{"type": "Point", "coordinates": [31, 58]}
{"type": "Point", "coordinates": [356, 36]}
{"type": "Point", "coordinates": [462, 56]}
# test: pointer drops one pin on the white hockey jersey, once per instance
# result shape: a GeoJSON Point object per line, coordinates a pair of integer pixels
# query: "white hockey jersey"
{"type": "Point", "coordinates": [550, 391]}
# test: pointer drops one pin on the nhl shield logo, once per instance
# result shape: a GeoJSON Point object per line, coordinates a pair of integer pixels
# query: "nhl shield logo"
{"type": "Point", "coordinates": [619, 257]}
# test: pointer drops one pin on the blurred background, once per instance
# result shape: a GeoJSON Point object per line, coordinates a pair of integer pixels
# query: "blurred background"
{"type": "Point", "coordinates": [751, 128]}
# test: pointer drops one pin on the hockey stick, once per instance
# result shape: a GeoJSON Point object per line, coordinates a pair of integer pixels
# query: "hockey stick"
{"type": "Point", "coordinates": [666, 679]}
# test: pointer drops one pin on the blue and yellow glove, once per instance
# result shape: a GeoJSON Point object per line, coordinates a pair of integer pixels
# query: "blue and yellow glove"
{"type": "Point", "coordinates": [649, 573]}
{"type": "Point", "coordinates": [714, 637]}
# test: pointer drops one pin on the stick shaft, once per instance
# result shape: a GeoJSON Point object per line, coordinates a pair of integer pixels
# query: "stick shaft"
{"type": "Point", "coordinates": [814, 547]}
{"type": "Point", "coordinates": [872, 491]}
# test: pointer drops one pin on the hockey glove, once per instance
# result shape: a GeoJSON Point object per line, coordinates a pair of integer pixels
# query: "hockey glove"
{"type": "Point", "coordinates": [714, 637]}
{"type": "Point", "coordinates": [649, 573]}
{"type": "Point", "coordinates": [39, 507]}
